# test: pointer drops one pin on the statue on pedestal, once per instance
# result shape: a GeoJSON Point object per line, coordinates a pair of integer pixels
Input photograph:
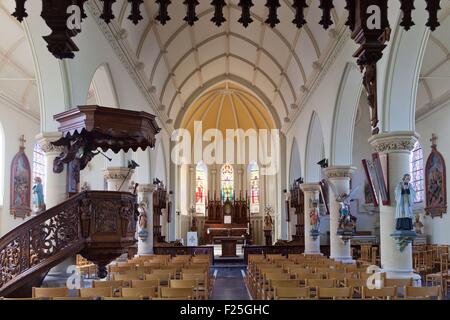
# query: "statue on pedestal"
{"type": "Point", "coordinates": [404, 197]}
{"type": "Point", "coordinates": [314, 219]}
{"type": "Point", "coordinates": [142, 221]}
{"type": "Point", "coordinates": [38, 195]}
{"type": "Point", "coordinates": [268, 226]}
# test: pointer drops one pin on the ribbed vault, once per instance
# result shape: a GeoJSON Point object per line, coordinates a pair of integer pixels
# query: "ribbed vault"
{"type": "Point", "coordinates": [179, 59]}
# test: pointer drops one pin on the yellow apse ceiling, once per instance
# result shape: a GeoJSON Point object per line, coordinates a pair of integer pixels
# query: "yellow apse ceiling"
{"type": "Point", "coordinates": [228, 106]}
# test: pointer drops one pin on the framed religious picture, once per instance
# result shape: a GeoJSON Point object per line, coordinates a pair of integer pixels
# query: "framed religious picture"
{"type": "Point", "coordinates": [382, 180]}
{"type": "Point", "coordinates": [324, 198]}
{"type": "Point", "coordinates": [20, 188]}
{"type": "Point", "coordinates": [371, 180]}
{"type": "Point", "coordinates": [435, 183]}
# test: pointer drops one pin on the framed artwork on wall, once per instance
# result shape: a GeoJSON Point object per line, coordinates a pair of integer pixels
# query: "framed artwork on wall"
{"type": "Point", "coordinates": [371, 180]}
{"type": "Point", "coordinates": [383, 182]}
{"type": "Point", "coordinates": [324, 198]}
{"type": "Point", "coordinates": [435, 182]}
{"type": "Point", "coordinates": [20, 185]}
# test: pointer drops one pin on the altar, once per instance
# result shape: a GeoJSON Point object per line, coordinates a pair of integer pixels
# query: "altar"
{"type": "Point", "coordinates": [226, 220]}
{"type": "Point", "coordinates": [229, 245]}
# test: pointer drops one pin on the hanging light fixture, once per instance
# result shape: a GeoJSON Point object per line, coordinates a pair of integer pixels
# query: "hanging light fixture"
{"type": "Point", "coordinates": [299, 7]}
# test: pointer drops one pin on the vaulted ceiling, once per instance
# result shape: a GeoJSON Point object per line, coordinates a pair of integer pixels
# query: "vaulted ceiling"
{"type": "Point", "coordinates": [434, 87]}
{"type": "Point", "coordinates": [227, 106]}
{"type": "Point", "coordinates": [179, 60]}
{"type": "Point", "coordinates": [17, 76]}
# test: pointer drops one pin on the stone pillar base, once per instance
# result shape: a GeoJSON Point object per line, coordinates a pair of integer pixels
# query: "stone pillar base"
{"type": "Point", "coordinates": [345, 260]}
{"type": "Point", "coordinates": [403, 274]}
{"type": "Point", "coordinates": [312, 253]}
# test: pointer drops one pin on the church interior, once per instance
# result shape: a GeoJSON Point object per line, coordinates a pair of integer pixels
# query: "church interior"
{"type": "Point", "coordinates": [224, 150]}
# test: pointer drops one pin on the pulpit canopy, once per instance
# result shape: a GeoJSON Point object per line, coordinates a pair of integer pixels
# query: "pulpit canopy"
{"type": "Point", "coordinates": [85, 129]}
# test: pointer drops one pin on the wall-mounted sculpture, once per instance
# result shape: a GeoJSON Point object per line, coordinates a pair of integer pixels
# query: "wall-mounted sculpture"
{"type": "Point", "coordinates": [435, 182]}
{"type": "Point", "coordinates": [20, 189]}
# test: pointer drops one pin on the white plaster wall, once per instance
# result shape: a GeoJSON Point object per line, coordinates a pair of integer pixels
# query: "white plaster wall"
{"type": "Point", "coordinates": [362, 150]}
{"type": "Point", "coordinates": [14, 124]}
{"type": "Point", "coordinates": [438, 123]}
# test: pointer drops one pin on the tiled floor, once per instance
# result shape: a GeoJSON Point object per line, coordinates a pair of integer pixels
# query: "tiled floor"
{"type": "Point", "coordinates": [229, 284]}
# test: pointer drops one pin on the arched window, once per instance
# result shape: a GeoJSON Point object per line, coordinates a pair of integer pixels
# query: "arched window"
{"type": "Point", "coordinates": [201, 184]}
{"type": "Point", "coordinates": [227, 182]}
{"type": "Point", "coordinates": [38, 163]}
{"type": "Point", "coordinates": [417, 172]}
{"type": "Point", "coordinates": [254, 187]}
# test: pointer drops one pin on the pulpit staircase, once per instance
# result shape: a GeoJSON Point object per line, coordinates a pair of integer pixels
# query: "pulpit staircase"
{"type": "Point", "coordinates": [99, 225]}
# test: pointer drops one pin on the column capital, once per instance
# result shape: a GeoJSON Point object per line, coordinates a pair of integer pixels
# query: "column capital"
{"type": "Point", "coordinates": [339, 172]}
{"type": "Point", "coordinates": [45, 140]}
{"type": "Point", "coordinates": [310, 187]}
{"type": "Point", "coordinates": [400, 141]}
{"type": "Point", "coordinates": [146, 188]}
{"type": "Point", "coordinates": [117, 173]}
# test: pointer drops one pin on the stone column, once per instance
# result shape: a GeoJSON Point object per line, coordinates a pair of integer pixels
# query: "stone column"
{"type": "Point", "coordinates": [396, 147]}
{"type": "Point", "coordinates": [117, 177]}
{"type": "Point", "coordinates": [193, 179]}
{"type": "Point", "coordinates": [55, 184]}
{"type": "Point", "coordinates": [240, 182]}
{"type": "Point", "coordinates": [214, 189]}
{"type": "Point", "coordinates": [311, 191]}
{"type": "Point", "coordinates": [145, 194]}
{"type": "Point", "coordinates": [340, 177]}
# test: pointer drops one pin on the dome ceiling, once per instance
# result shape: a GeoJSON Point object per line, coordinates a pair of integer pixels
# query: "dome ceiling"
{"type": "Point", "coordinates": [434, 89]}
{"type": "Point", "coordinates": [178, 59]}
{"type": "Point", "coordinates": [17, 76]}
{"type": "Point", "coordinates": [227, 106]}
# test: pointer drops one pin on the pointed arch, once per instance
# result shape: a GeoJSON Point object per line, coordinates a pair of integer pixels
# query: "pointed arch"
{"type": "Point", "coordinates": [344, 116]}
{"type": "Point", "coordinates": [314, 150]}
{"type": "Point", "coordinates": [295, 169]}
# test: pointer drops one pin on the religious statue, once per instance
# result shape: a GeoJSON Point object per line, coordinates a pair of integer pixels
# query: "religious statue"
{"type": "Point", "coordinates": [346, 221]}
{"type": "Point", "coordinates": [418, 225]}
{"type": "Point", "coordinates": [268, 222]}
{"type": "Point", "coordinates": [142, 221]}
{"type": "Point", "coordinates": [85, 186]}
{"type": "Point", "coordinates": [404, 197]}
{"type": "Point", "coordinates": [38, 195]}
{"type": "Point", "coordinates": [314, 218]}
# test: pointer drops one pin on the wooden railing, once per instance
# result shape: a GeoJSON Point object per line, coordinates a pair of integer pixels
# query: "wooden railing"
{"type": "Point", "coordinates": [89, 223]}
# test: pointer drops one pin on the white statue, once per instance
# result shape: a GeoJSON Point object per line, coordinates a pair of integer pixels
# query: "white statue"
{"type": "Point", "coordinates": [404, 197]}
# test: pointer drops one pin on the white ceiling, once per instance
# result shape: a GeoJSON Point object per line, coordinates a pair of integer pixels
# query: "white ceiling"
{"type": "Point", "coordinates": [434, 83]}
{"type": "Point", "coordinates": [17, 76]}
{"type": "Point", "coordinates": [178, 60]}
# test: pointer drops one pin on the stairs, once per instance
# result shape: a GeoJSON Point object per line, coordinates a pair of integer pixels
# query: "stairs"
{"type": "Point", "coordinates": [99, 225]}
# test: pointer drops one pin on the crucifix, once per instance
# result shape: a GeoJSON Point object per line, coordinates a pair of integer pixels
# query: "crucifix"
{"type": "Point", "coordinates": [433, 140]}
{"type": "Point", "coordinates": [22, 142]}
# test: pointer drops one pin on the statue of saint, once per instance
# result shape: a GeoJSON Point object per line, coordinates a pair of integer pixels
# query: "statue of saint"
{"type": "Point", "coordinates": [314, 216]}
{"type": "Point", "coordinates": [38, 195]}
{"type": "Point", "coordinates": [404, 197]}
{"type": "Point", "coordinates": [268, 222]}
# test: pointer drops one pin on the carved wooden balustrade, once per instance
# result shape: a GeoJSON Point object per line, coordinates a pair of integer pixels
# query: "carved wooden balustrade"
{"type": "Point", "coordinates": [99, 225]}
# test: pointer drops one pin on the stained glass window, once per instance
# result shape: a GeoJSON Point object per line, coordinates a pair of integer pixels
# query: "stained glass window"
{"type": "Point", "coordinates": [200, 188]}
{"type": "Point", "coordinates": [254, 187]}
{"type": "Point", "coordinates": [38, 162]}
{"type": "Point", "coordinates": [227, 182]}
{"type": "Point", "coordinates": [417, 172]}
